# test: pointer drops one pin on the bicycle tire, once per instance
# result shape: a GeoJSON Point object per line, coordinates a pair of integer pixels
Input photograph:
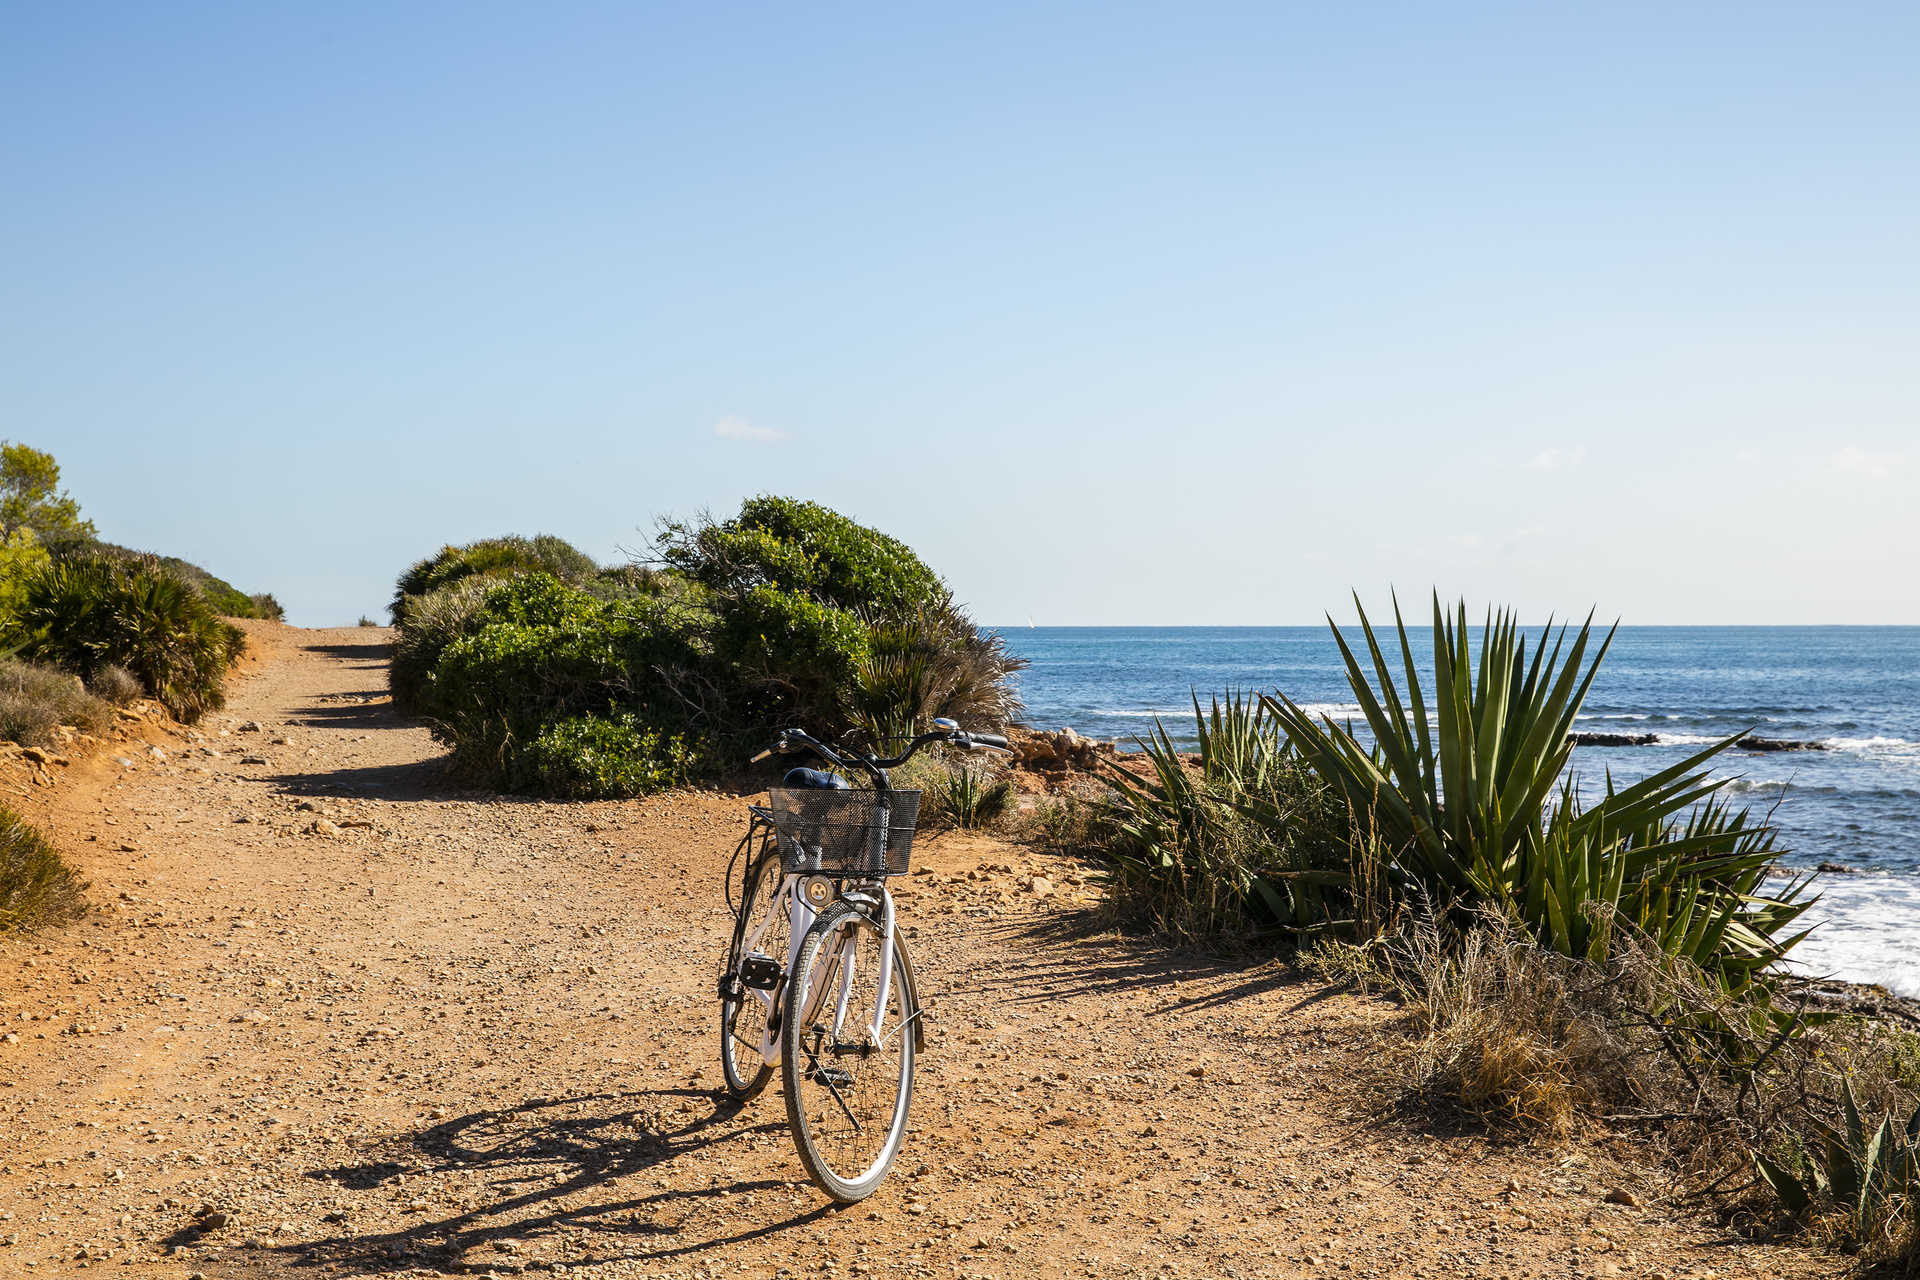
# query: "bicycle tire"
{"type": "Point", "coordinates": [826, 1100]}
{"type": "Point", "coordinates": [743, 1019]}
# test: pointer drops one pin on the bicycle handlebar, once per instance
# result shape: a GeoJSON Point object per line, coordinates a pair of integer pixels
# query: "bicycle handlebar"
{"type": "Point", "coordinates": [791, 740]}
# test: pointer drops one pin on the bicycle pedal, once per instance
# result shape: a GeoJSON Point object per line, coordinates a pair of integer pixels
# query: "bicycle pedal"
{"type": "Point", "coordinates": [760, 972]}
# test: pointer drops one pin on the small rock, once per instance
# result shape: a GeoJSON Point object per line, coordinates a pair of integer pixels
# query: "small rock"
{"type": "Point", "coordinates": [307, 806]}
{"type": "Point", "coordinates": [1839, 869]}
{"type": "Point", "coordinates": [254, 760]}
{"type": "Point", "coordinates": [1041, 886]}
{"type": "Point", "coordinates": [1198, 1073]}
{"type": "Point", "coordinates": [251, 726]}
{"type": "Point", "coordinates": [321, 827]}
{"type": "Point", "coordinates": [211, 1219]}
{"type": "Point", "coordinates": [155, 753]}
{"type": "Point", "coordinates": [1620, 1195]}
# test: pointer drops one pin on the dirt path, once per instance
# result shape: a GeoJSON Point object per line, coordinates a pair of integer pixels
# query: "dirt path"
{"type": "Point", "coordinates": [373, 1023]}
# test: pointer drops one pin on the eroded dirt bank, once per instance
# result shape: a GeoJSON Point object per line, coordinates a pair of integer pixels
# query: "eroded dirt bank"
{"type": "Point", "coordinates": [333, 1015]}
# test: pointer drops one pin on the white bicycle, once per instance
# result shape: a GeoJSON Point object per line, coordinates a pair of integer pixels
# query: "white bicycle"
{"type": "Point", "coordinates": [817, 981]}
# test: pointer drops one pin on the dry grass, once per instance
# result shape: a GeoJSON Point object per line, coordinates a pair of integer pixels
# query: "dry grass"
{"type": "Point", "coordinates": [116, 685]}
{"type": "Point", "coordinates": [34, 700]}
{"type": "Point", "coordinates": [37, 887]}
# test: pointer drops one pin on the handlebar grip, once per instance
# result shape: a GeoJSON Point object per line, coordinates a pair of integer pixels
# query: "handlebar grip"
{"type": "Point", "coordinates": [764, 755]}
{"type": "Point", "coordinates": [990, 740]}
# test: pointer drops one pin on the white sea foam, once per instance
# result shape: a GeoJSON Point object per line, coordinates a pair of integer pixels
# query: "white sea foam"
{"type": "Point", "coordinates": [1687, 739]}
{"type": "Point", "coordinates": [1865, 931]}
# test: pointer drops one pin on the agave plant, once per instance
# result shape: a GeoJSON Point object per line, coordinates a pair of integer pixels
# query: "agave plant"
{"type": "Point", "coordinates": [1473, 796]}
{"type": "Point", "coordinates": [1871, 1175]}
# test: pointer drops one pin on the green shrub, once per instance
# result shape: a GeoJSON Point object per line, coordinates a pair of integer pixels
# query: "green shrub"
{"type": "Point", "coordinates": [434, 621]}
{"type": "Point", "coordinates": [826, 623]}
{"type": "Point", "coordinates": [607, 757]}
{"type": "Point", "coordinates": [780, 617]}
{"type": "Point", "coordinates": [541, 652]}
{"type": "Point", "coordinates": [35, 699]}
{"type": "Point", "coordinates": [85, 615]}
{"type": "Point", "coordinates": [21, 558]}
{"type": "Point", "coordinates": [36, 885]}
{"type": "Point", "coordinates": [221, 596]}
{"type": "Point", "coordinates": [965, 793]}
{"type": "Point", "coordinates": [803, 547]}
{"type": "Point", "coordinates": [501, 557]}
{"type": "Point", "coordinates": [1249, 841]}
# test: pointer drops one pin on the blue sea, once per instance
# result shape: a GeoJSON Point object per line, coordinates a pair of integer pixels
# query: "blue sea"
{"type": "Point", "coordinates": [1853, 690]}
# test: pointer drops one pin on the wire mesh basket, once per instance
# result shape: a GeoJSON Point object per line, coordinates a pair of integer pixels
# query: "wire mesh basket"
{"type": "Point", "coordinates": [838, 833]}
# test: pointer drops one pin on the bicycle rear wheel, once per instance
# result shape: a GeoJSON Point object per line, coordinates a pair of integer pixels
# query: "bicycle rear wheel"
{"type": "Point", "coordinates": [848, 1089]}
{"type": "Point", "coordinates": [745, 1011]}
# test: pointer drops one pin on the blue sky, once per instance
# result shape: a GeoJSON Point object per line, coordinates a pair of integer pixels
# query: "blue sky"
{"type": "Point", "coordinates": [1171, 314]}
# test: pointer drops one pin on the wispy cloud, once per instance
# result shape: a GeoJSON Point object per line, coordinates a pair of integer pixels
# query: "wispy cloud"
{"type": "Point", "coordinates": [1558, 459]}
{"type": "Point", "coordinates": [740, 429]}
{"type": "Point", "coordinates": [1856, 461]}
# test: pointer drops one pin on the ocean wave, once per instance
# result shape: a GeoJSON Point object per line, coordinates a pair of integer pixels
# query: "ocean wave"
{"type": "Point", "coordinates": [1865, 931]}
{"type": "Point", "coordinates": [1873, 746]}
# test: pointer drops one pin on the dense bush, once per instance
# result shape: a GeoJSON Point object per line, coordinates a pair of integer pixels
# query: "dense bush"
{"type": "Point", "coordinates": [829, 623]}
{"type": "Point", "coordinates": [36, 885]}
{"type": "Point", "coordinates": [1246, 841]}
{"type": "Point", "coordinates": [434, 621]}
{"type": "Point", "coordinates": [604, 757]}
{"type": "Point", "coordinates": [490, 558]}
{"type": "Point", "coordinates": [595, 682]}
{"type": "Point", "coordinates": [21, 558]}
{"type": "Point", "coordinates": [87, 614]}
{"type": "Point", "coordinates": [35, 699]}
{"type": "Point", "coordinates": [221, 596]}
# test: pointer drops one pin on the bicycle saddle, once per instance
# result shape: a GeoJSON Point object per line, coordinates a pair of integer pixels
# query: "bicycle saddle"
{"type": "Point", "coordinates": [813, 780]}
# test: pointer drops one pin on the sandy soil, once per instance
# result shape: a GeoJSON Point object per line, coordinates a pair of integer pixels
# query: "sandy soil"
{"type": "Point", "coordinates": [333, 1015]}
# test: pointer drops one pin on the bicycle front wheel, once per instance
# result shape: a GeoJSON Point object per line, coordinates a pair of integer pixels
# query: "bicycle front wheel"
{"type": "Point", "coordinates": [847, 1055]}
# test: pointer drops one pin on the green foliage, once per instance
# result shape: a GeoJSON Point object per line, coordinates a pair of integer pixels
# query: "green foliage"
{"type": "Point", "coordinates": [36, 885]}
{"type": "Point", "coordinates": [34, 700]}
{"type": "Point", "coordinates": [539, 652]}
{"type": "Point", "coordinates": [794, 546]}
{"type": "Point", "coordinates": [925, 663]}
{"type": "Point", "coordinates": [606, 757]}
{"type": "Point", "coordinates": [86, 614]}
{"type": "Point", "coordinates": [824, 622]}
{"type": "Point", "coordinates": [434, 621]}
{"type": "Point", "coordinates": [21, 557]}
{"type": "Point", "coordinates": [491, 558]}
{"type": "Point", "coordinates": [1471, 800]}
{"type": "Point", "coordinates": [221, 596]}
{"type": "Point", "coordinates": [30, 499]}
{"type": "Point", "coordinates": [965, 793]}
{"type": "Point", "coordinates": [1246, 841]}
{"type": "Point", "coordinates": [1868, 1175]}
{"type": "Point", "coordinates": [753, 626]}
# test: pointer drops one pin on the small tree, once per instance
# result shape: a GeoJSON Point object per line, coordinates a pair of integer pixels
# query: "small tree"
{"type": "Point", "coordinates": [30, 499]}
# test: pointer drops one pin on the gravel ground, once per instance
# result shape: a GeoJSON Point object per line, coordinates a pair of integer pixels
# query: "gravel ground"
{"type": "Point", "coordinates": [334, 1015]}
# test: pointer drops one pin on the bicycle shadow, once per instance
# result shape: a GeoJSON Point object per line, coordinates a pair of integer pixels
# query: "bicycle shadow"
{"type": "Point", "coordinates": [542, 1182]}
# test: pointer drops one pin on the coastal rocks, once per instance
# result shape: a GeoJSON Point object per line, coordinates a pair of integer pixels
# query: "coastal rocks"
{"type": "Point", "coordinates": [1056, 751]}
{"type": "Point", "coordinates": [1751, 743]}
{"type": "Point", "coordinates": [1613, 739]}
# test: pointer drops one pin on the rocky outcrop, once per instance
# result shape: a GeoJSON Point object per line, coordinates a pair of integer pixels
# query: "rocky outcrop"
{"type": "Point", "coordinates": [1613, 739]}
{"type": "Point", "coordinates": [1751, 743]}
{"type": "Point", "coordinates": [1056, 751]}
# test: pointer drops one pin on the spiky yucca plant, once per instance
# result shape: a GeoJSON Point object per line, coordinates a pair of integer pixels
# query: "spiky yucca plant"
{"type": "Point", "coordinates": [1471, 795]}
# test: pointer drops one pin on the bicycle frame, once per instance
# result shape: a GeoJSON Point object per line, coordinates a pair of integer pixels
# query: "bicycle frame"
{"type": "Point", "coordinates": [801, 917]}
